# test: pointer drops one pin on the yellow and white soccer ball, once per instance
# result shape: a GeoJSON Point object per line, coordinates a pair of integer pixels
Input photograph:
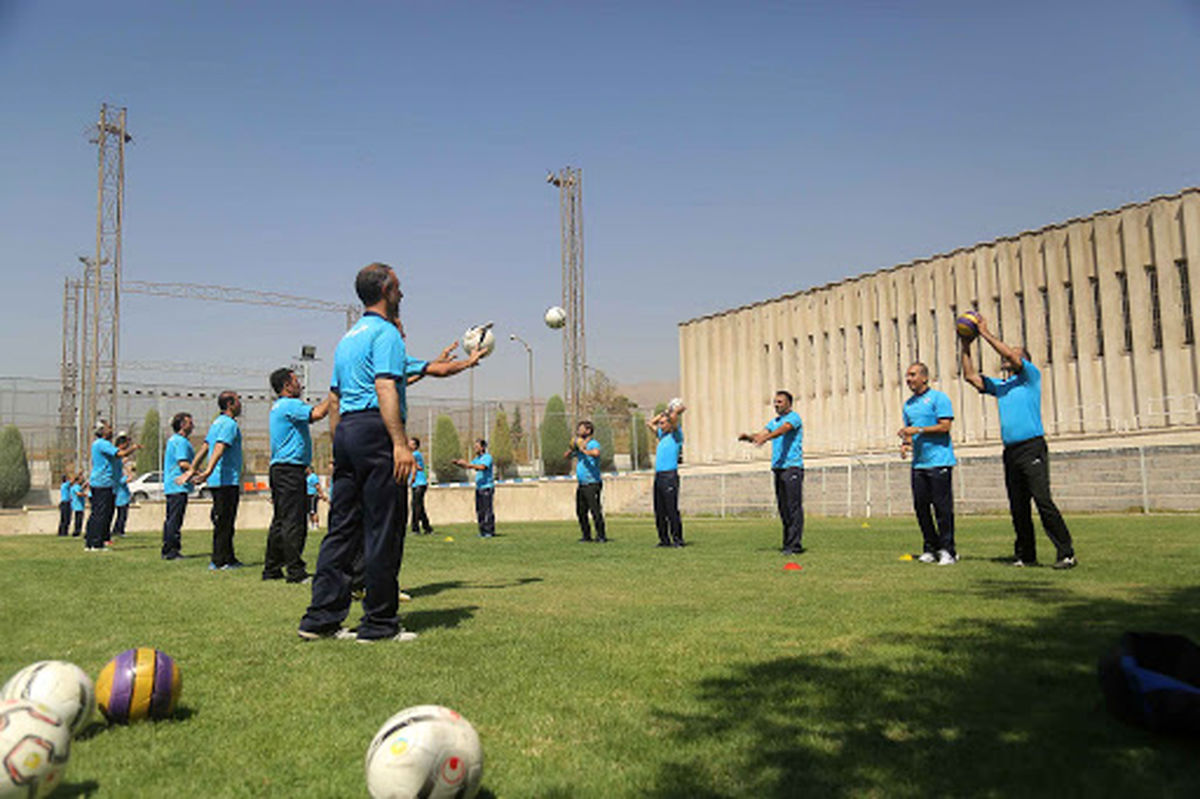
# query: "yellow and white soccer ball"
{"type": "Point", "coordinates": [479, 337]}
{"type": "Point", "coordinates": [426, 751]}
{"type": "Point", "coordinates": [35, 745]}
{"type": "Point", "coordinates": [61, 686]}
{"type": "Point", "coordinates": [555, 317]}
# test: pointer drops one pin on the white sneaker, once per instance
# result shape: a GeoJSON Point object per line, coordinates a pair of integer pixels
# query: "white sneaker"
{"type": "Point", "coordinates": [946, 559]}
{"type": "Point", "coordinates": [928, 557]}
{"type": "Point", "coordinates": [404, 597]}
{"type": "Point", "coordinates": [400, 637]}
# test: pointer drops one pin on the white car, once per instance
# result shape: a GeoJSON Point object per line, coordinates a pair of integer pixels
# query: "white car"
{"type": "Point", "coordinates": [146, 486]}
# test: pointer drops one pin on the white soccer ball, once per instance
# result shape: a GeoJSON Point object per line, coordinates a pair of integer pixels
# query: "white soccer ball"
{"type": "Point", "coordinates": [479, 336]}
{"type": "Point", "coordinates": [555, 317]}
{"type": "Point", "coordinates": [426, 751]}
{"type": "Point", "coordinates": [675, 404]}
{"type": "Point", "coordinates": [35, 745]}
{"type": "Point", "coordinates": [63, 687]}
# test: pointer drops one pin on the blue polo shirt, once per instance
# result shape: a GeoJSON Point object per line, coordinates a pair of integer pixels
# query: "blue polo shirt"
{"type": "Point", "coordinates": [372, 348]}
{"type": "Point", "coordinates": [929, 450]}
{"type": "Point", "coordinates": [291, 441]}
{"type": "Point", "coordinates": [587, 467]}
{"type": "Point", "coordinates": [78, 498]}
{"type": "Point", "coordinates": [178, 449]}
{"type": "Point", "coordinates": [64, 492]}
{"type": "Point", "coordinates": [228, 471]}
{"type": "Point", "coordinates": [122, 496]}
{"type": "Point", "coordinates": [666, 456]}
{"type": "Point", "coordinates": [310, 484]}
{"type": "Point", "coordinates": [106, 466]}
{"type": "Point", "coordinates": [1019, 401]}
{"type": "Point", "coordinates": [787, 450]}
{"type": "Point", "coordinates": [414, 366]}
{"type": "Point", "coordinates": [483, 479]}
{"type": "Point", "coordinates": [421, 478]}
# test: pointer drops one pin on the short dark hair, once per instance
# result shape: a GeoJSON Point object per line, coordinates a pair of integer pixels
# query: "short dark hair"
{"type": "Point", "coordinates": [482, 443]}
{"type": "Point", "coordinates": [588, 424]}
{"type": "Point", "coordinates": [279, 379]}
{"type": "Point", "coordinates": [178, 419]}
{"type": "Point", "coordinates": [226, 399]}
{"type": "Point", "coordinates": [370, 282]}
{"type": "Point", "coordinates": [788, 394]}
{"type": "Point", "coordinates": [416, 441]}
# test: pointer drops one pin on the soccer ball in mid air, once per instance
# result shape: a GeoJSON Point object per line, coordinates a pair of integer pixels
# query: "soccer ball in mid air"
{"type": "Point", "coordinates": [425, 751]}
{"type": "Point", "coordinates": [35, 745]}
{"type": "Point", "coordinates": [63, 687]}
{"type": "Point", "coordinates": [479, 337]}
{"type": "Point", "coordinates": [555, 317]}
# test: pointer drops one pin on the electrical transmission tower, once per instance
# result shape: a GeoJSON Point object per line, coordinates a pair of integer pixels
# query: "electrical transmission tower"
{"type": "Point", "coordinates": [570, 201]}
{"type": "Point", "coordinates": [102, 274]}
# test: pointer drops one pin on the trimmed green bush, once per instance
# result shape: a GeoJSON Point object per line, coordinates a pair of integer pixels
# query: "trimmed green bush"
{"type": "Point", "coordinates": [446, 447]}
{"type": "Point", "coordinates": [14, 468]}
{"type": "Point", "coordinates": [604, 435]}
{"type": "Point", "coordinates": [555, 438]}
{"type": "Point", "coordinates": [148, 459]}
{"type": "Point", "coordinates": [645, 444]}
{"type": "Point", "coordinates": [501, 446]}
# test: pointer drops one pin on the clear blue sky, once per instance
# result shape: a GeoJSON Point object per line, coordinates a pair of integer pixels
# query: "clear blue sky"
{"type": "Point", "coordinates": [731, 152]}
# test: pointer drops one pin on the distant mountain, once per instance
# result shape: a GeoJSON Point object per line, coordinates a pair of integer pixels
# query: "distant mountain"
{"type": "Point", "coordinates": [649, 393]}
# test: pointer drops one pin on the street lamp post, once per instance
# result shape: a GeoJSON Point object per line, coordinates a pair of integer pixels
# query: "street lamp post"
{"type": "Point", "coordinates": [532, 435]}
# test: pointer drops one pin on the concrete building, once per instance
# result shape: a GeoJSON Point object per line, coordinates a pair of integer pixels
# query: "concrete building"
{"type": "Point", "coordinates": [1104, 304]}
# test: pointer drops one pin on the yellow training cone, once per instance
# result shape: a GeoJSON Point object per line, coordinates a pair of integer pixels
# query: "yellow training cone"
{"type": "Point", "coordinates": [906, 557]}
{"type": "Point", "coordinates": [451, 538]}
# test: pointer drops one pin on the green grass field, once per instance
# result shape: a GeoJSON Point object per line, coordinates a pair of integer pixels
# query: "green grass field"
{"type": "Point", "coordinates": [629, 671]}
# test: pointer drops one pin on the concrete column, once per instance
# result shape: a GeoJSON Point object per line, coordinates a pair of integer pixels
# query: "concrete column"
{"type": "Point", "coordinates": [1092, 410]}
{"type": "Point", "coordinates": [1167, 248]}
{"type": "Point", "coordinates": [1135, 252]}
{"type": "Point", "coordinates": [1066, 394]}
{"type": "Point", "coordinates": [1189, 234]}
{"type": "Point", "coordinates": [1118, 368]}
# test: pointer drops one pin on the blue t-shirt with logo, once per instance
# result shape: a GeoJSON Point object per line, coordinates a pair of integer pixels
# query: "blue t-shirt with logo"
{"type": "Point", "coordinates": [666, 455]}
{"type": "Point", "coordinates": [372, 348]}
{"type": "Point", "coordinates": [78, 493]}
{"type": "Point", "coordinates": [310, 484]}
{"type": "Point", "coordinates": [483, 477]}
{"type": "Point", "coordinates": [122, 496]}
{"type": "Point", "coordinates": [787, 450]}
{"type": "Point", "coordinates": [106, 466]}
{"type": "Point", "coordinates": [64, 492]}
{"type": "Point", "coordinates": [929, 450]}
{"type": "Point", "coordinates": [1019, 401]}
{"type": "Point", "coordinates": [178, 449]}
{"type": "Point", "coordinates": [587, 467]}
{"type": "Point", "coordinates": [228, 472]}
{"type": "Point", "coordinates": [421, 477]}
{"type": "Point", "coordinates": [291, 441]}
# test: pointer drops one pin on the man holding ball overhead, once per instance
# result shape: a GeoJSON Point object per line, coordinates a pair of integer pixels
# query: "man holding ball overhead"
{"type": "Point", "coordinates": [1026, 458]}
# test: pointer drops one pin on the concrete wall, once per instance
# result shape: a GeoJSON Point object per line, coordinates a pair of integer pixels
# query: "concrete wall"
{"type": "Point", "coordinates": [1104, 304]}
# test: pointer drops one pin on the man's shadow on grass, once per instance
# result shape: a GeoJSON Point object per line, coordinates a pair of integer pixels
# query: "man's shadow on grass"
{"type": "Point", "coordinates": [424, 620]}
{"type": "Point", "coordinates": [432, 589]}
{"type": "Point", "coordinates": [999, 709]}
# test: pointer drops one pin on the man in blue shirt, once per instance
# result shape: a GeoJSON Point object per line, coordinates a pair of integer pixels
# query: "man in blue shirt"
{"type": "Point", "coordinates": [586, 451]}
{"type": "Point", "coordinates": [485, 488]}
{"type": "Point", "coordinates": [786, 434]}
{"type": "Point", "coordinates": [177, 470]}
{"type": "Point", "coordinates": [315, 494]}
{"type": "Point", "coordinates": [372, 465]}
{"type": "Point", "coordinates": [1026, 457]}
{"type": "Point", "coordinates": [122, 496]}
{"type": "Point", "coordinates": [223, 472]}
{"type": "Point", "coordinates": [64, 505]}
{"type": "Point", "coordinates": [666, 475]}
{"type": "Point", "coordinates": [928, 415]}
{"type": "Point", "coordinates": [420, 484]}
{"type": "Point", "coordinates": [106, 472]}
{"type": "Point", "coordinates": [291, 456]}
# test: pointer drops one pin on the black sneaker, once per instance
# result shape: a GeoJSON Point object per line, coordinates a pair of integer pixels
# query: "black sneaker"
{"type": "Point", "coordinates": [1068, 562]}
{"type": "Point", "coordinates": [585, 540]}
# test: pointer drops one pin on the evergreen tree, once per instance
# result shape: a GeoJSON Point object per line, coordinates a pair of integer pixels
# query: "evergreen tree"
{"type": "Point", "coordinates": [14, 468]}
{"type": "Point", "coordinates": [446, 447]}
{"type": "Point", "coordinates": [517, 430]}
{"type": "Point", "coordinates": [645, 442]}
{"type": "Point", "coordinates": [501, 446]}
{"type": "Point", "coordinates": [555, 437]}
{"type": "Point", "coordinates": [604, 436]}
{"type": "Point", "coordinates": [148, 459]}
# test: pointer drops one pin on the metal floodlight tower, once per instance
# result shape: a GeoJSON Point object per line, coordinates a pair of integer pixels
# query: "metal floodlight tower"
{"type": "Point", "coordinates": [102, 273]}
{"type": "Point", "coordinates": [570, 200]}
{"type": "Point", "coordinates": [70, 439]}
